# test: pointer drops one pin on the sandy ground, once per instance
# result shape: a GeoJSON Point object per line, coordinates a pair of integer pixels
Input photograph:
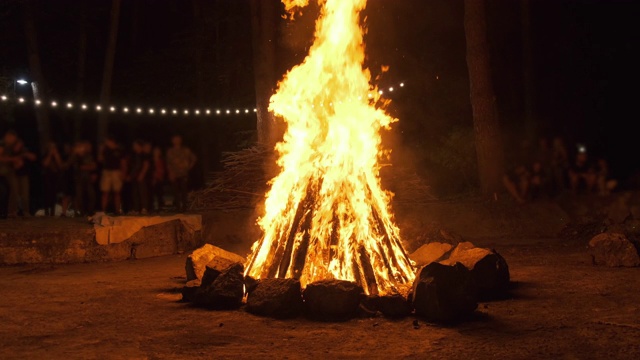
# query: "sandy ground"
{"type": "Point", "coordinates": [561, 307]}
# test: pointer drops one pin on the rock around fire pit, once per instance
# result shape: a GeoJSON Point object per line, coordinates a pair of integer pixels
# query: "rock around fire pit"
{"type": "Point", "coordinates": [446, 289]}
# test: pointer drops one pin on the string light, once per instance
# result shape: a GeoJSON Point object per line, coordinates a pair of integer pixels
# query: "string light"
{"type": "Point", "coordinates": [163, 111]}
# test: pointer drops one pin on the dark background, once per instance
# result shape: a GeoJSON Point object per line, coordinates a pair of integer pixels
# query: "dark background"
{"type": "Point", "coordinates": [584, 74]}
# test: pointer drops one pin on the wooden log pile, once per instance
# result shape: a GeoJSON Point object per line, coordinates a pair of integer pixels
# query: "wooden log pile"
{"type": "Point", "coordinates": [242, 182]}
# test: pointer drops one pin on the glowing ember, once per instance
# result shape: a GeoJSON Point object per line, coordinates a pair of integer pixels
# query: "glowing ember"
{"type": "Point", "coordinates": [326, 215]}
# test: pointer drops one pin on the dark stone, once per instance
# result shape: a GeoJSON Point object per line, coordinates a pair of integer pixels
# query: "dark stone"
{"type": "Point", "coordinates": [189, 290]}
{"type": "Point", "coordinates": [614, 250]}
{"type": "Point", "coordinates": [392, 306]}
{"type": "Point", "coordinates": [250, 284]}
{"type": "Point", "coordinates": [197, 261]}
{"type": "Point", "coordinates": [214, 268]}
{"type": "Point", "coordinates": [489, 270]}
{"type": "Point", "coordinates": [444, 293]}
{"type": "Point", "coordinates": [277, 298]}
{"type": "Point", "coordinates": [226, 291]}
{"type": "Point", "coordinates": [332, 300]}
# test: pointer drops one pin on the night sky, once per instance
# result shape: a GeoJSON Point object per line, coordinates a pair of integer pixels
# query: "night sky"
{"type": "Point", "coordinates": [584, 68]}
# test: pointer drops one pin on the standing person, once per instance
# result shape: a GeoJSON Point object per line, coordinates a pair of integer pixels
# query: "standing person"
{"type": "Point", "coordinates": [83, 165]}
{"type": "Point", "coordinates": [582, 175]}
{"type": "Point", "coordinates": [158, 168]}
{"type": "Point", "coordinates": [111, 156]}
{"type": "Point", "coordinates": [6, 171]}
{"type": "Point", "coordinates": [52, 170]}
{"type": "Point", "coordinates": [140, 166]}
{"type": "Point", "coordinates": [559, 165]}
{"type": "Point", "coordinates": [19, 176]}
{"type": "Point", "coordinates": [180, 160]}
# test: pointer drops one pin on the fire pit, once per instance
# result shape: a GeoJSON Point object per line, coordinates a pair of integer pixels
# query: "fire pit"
{"type": "Point", "coordinates": [326, 215]}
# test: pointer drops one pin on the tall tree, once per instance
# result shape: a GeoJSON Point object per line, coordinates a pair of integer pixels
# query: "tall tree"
{"type": "Point", "coordinates": [483, 101]}
{"type": "Point", "coordinates": [82, 66]}
{"type": "Point", "coordinates": [107, 75]}
{"type": "Point", "coordinates": [527, 69]}
{"type": "Point", "coordinates": [263, 24]}
{"type": "Point", "coordinates": [38, 83]}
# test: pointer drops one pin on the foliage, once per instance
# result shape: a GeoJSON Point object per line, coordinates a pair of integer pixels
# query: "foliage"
{"type": "Point", "coordinates": [455, 153]}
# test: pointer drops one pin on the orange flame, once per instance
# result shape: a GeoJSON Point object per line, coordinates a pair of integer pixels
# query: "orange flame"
{"type": "Point", "coordinates": [326, 215]}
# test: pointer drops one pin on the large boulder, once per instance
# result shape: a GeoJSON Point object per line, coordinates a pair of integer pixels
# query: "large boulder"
{"type": "Point", "coordinates": [215, 268]}
{"type": "Point", "coordinates": [332, 300]}
{"type": "Point", "coordinates": [225, 292]}
{"type": "Point", "coordinates": [430, 252]}
{"type": "Point", "coordinates": [613, 249]}
{"type": "Point", "coordinates": [444, 293]}
{"type": "Point", "coordinates": [489, 270]}
{"type": "Point", "coordinates": [277, 298]}
{"type": "Point", "coordinates": [199, 258]}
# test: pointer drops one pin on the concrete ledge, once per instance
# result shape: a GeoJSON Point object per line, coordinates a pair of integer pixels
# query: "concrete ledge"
{"type": "Point", "coordinates": [65, 241]}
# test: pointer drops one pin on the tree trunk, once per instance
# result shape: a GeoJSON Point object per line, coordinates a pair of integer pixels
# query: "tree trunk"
{"type": "Point", "coordinates": [485, 115]}
{"type": "Point", "coordinates": [527, 70]}
{"type": "Point", "coordinates": [82, 61]}
{"type": "Point", "coordinates": [38, 82]}
{"type": "Point", "coordinates": [107, 75]}
{"type": "Point", "coordinates": [201, 85]}
{"type": "Point", "coordinates": [263, 23]}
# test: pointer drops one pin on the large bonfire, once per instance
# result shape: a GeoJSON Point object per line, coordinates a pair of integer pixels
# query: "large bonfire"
{"type": "Point", "coordinates": [326, 215]}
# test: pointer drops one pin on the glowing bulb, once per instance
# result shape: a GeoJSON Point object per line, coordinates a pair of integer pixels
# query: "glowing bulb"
{"type": "Point", "coordinates": [174, 111]}
{"type": "Point", "coordinates": [218, 112]}
{"type": "Point", "coordinates": [126, 109]}
{"type": "Point", "coordinates": [54, 104]}
{"type": "Point", "coordinates": [69, 105]}
{"type": "Point", "coordinates": [84, 106]}
{"type": "Point", "coordinates": [208, 111]}
{"type": "Point", "coordinates": [197, 112]}
{"type": "Point", "coordinates": [401, 84]}
{"type": "Point", "coordinates": [21, 100]}
{"type": "Point", "coordinates": [380, 92]}
{"type": "Point", "coordinates": [228, 111]}
{"type": "Point", "coordinates": [138, 110]}
{"type": "Point", "coordinates": [163, 111]}
{"type": "Point", "coordinates": [98, 108]}
{"type": "Point", "coordinates": [38, 102]}
{"type": "Point", "coordinates": [246, 111]}
{"type": "Point", "coordinates": [255, 110]}
{"type": "Point", "coordinates": [151, 111]}
{"type": "Point", "coordinates": [237, 111]}
{"type": "Point", "coordinates": [370, 96]}
{"type": "Point", "coordinates": [112, 109]}
{"type": "Point", "coordinates": [391, 89]}
{"type": "Point", "coordinates": [4, 98]}
{"type": "Point", "coordinates": [186, 112]}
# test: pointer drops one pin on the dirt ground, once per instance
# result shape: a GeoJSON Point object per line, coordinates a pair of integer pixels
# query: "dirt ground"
{"type": "Point", "coordinates": [561, 307]}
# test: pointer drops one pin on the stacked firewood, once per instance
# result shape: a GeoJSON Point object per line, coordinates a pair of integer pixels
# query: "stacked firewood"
{"type": "Point", "coordinates": [240, 184]}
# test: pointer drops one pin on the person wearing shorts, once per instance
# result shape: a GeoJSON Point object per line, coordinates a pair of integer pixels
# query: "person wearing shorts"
{"type": "Point", "coordinates": [113, 164]}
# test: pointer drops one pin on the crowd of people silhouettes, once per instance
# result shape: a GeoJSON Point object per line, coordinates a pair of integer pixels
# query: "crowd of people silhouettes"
{"type": "Point", "coordinates": [80, 180]}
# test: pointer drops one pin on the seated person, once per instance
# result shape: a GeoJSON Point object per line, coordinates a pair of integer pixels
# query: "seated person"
{"type": "Point", "coordinates": [582, 175]}
{"type": "Point", "coordinates": [604, 183]}
{"type": "Point", "coordinates": [516, 182]}
{"type": "Point", "coordinates": [539, 181]}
